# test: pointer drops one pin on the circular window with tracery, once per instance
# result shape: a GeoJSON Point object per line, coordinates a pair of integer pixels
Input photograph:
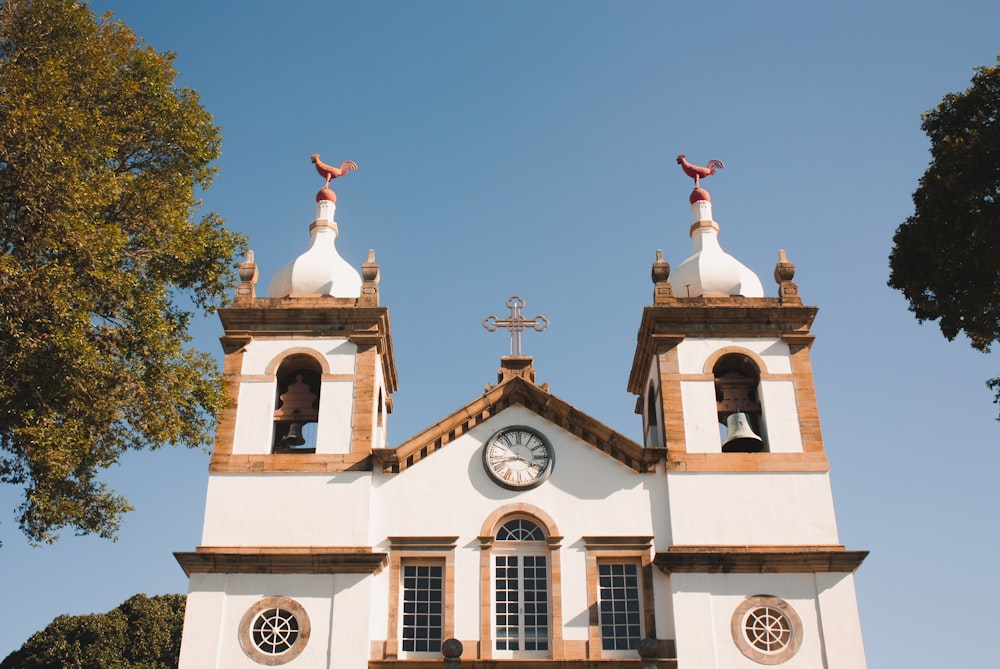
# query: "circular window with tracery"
{"type": "Point", "coordinates": [274, 631]}
{"type": "Point", "coordinates": [767, 629]}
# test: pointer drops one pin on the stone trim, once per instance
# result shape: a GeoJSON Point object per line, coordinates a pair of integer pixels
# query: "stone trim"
{"type": "Point", "coordinates": [281, 560]}
{"type": "Point", "coordinates": [762, 559]}
{"type": "Point", "coordinates": [313, 317]}
{"type": "Point", "coordinates": [666, 325]}
{"type": "Point", "coordinates": [747, 462]}
{"type": "Point", "coordinates": [223, 463]}
{"type": "Point", "coordinates": [288, 604]}
{"type": "Point", "coordinates": [501, 515]}
{"type": "Point", "coordinates": [271, 369]}
{"type": "Point", "coordinates": [488, 545]}
{"type": "Point", "coordinates": [418, 550]}
{"type": "Point", "coordinates": [715, 355]}
{"type": "Point", "coordinates": [738, 633]}
{"type": "Point", "coordinates": [519, 392]}
{"type": "Point", "coordinates": [635, 550]}
{"type": "Point", "coordinates": [469, 661]}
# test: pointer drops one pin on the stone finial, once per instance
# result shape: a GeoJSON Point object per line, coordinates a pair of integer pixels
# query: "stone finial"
{"type": "Point", "coordinates": [370, 276]}
{"type": "Point", "coordinates": [662, 291]}
{"type": "Point", "coordinates": [649, 650]}
{"type": "Point", "coordinates": [452, 649]}
{"type": "Point", "coordinates": [248, 278]}
{"type": "Point", "coordinates": [784, 272]}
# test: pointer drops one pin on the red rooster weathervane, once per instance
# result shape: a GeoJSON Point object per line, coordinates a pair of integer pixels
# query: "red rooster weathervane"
{"type": "Point", "coordinates": [329, 172]}
{"type": "Point", "coordinates": [696, 172]}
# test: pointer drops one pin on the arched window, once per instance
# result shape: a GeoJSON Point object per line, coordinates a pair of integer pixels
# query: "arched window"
{"type": "Point", "coordinates": [296, 409]}
{"type": "Point", "coordinates": [521, 594]}
{"type": "Point", "coordinates": [737, 384]}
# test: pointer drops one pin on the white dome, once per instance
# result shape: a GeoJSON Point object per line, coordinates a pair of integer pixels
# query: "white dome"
{"type": "Point", "coordinates": [709, 271]}
{"type": "Point", "coordinates": [320, 270]}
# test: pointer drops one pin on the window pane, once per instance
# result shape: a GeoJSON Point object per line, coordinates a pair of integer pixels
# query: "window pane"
{"type": "Point", "coordinates": [618, 593]}
{"type": "Point", "coordinates": [423, 595]}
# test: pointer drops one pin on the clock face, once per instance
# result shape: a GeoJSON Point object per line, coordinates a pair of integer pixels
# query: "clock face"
{"type": "Point", "coordinates": [518, 457]}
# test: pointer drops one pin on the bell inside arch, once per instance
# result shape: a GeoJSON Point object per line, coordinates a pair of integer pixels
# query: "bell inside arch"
{"type": "Point", "coordinates": [294, 437]}
{"type": "Point", "coordinates": [742, 438]}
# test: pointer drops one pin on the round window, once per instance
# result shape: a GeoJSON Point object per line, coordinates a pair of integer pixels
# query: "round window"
{"type": "Point", "coordinates": [766, 629]}
{"type": "Point", "coordinates": [274, 630]}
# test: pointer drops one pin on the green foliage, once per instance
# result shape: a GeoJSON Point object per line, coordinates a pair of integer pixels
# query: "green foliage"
{"type": "Point", "coordinates": [101, 155]}
{"type": "Point", "coordinates": [143, 633]}
{"type": "Point", "coordinates": [946, 257]}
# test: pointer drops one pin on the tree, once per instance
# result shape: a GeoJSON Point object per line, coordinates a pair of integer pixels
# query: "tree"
{"type": "Point", "coordinates": [946, 256]}
{"type": "Point", "coordinates": [101, 264]}
{"type": "Point", "coordinates": [144, 632]}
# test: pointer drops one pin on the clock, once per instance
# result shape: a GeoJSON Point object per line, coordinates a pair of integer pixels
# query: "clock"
{"type": "Point", "coordinates": [518, 457]}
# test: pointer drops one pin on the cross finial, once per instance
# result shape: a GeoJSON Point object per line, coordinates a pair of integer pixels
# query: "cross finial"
{"type": "Point", "coordinates": [516, 324]}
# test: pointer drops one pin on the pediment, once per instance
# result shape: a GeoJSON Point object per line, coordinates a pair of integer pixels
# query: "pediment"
{"type": "Point", "coordinates": [517, 391]}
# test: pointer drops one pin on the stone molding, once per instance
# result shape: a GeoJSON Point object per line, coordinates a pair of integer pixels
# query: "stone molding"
{"type": "Point", "coordinates": [281, 560]}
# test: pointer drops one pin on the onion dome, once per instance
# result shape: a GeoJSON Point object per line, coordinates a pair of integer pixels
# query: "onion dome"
{"type": "Point", "coordinates": [709, 271]}
{"type": "Point", "coordinates": [320, 270]}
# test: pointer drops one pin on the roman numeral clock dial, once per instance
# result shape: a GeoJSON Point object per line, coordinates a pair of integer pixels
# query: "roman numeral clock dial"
{"type": "Point", "coordinates": [518, 457]}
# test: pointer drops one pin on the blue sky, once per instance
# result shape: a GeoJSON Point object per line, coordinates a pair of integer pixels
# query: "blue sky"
{"type": "Point", "coordinates": [528, 148]}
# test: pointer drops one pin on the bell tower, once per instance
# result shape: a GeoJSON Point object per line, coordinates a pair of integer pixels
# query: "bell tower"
{"type": "Point", "coordinates": [310, 373]}
{"type": "Point", "coordinates": [725, 384]}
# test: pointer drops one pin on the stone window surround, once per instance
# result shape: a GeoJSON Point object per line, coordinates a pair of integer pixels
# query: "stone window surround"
{"type": "Point", "coordinates": [487, 543]}
{"type": "Point", "coordinates": [418, 550]}
{"type": "Point", "coordinates": [286, 604]}
{"type": "Point", "coordinates": [615, 549]}
{"type": "Point", "coordinates": [747, 648]}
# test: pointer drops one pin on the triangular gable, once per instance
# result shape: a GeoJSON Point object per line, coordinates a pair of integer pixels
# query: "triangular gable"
{"type": "Point", "coordinates": [517, 391]}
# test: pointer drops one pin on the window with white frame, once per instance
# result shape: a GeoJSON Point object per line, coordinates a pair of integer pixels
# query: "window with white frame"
{"type": "Point", "coordinates": [620, 605]}
{"type": "Point", "coordinates": [521, 589]}
{"type": "Point", "coordinates": [422, 619]}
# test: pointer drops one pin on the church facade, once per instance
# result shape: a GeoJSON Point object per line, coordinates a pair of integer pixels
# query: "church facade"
{"type": "Point", "coordinates": [519, 529]}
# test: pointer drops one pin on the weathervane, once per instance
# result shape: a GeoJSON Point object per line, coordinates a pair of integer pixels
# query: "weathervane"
{"type": "Point", "coordinates": [330, 172]}
{"type": "Point", "coordinates": [696, 172]}
{"type": "Point", "coordinates": [516, 324]}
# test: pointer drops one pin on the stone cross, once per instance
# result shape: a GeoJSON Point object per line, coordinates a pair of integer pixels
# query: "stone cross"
{"type": "Point", "coordinates": [516, 324]}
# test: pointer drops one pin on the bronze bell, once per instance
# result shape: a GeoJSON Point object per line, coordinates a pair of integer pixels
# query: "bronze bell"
{"type": "Point", "coordinates": [294, 437]}
{"type": "Point", "coordinates": [742, 438]}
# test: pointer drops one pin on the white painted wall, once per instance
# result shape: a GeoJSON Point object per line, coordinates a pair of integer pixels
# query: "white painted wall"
{"type": "Point", "coordinates": [322, 509]}
{"type": "Point", "coordinates": [701, 417]}
{"type": "Point", "coordinates": [781, 416]}
{"type": "Point", "coordinates": [704, 604]}
{"type": "Point", "coordinates": [260, 353]}
{"type": "Point", "coordinates": [693, 352]}
{"type": "Point", "coordinates": [217, 603]}
{"type": "Point", "coordinates": [257, 395]}
{"type": "Point", "coordinates": [838, 606]}
{"type": "Point", "coordinates": [255, 418]}
{"type": "Point", "coordinates": [751, 508]}
{"type": "Point", "coordinates": [588, 494]}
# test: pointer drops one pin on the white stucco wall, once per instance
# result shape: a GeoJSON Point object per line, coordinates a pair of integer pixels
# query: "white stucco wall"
{"type": "Point", "coordinates": [701, 417]}
{"type": "Point", "coordinates": [255, 420]}
{"type": "Point", "coordinates": [704, 605]}
{"type": "Point", "coordinates": [323, 509]}
{"type": "Point", "coordinates": [777, 396]}
{"type": "Point", "coordinates": [260, 353]}
{"type": "Point", "coordinates": [781, 416]}
{"type": "Point", "coordinates": [337, 606]}
{"type": "Point", "coordinates": [737, 508]}
{"type": "Point", "coordinates": [588, 494]}
{"type": "Point", "coordinates": [694, 351]}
